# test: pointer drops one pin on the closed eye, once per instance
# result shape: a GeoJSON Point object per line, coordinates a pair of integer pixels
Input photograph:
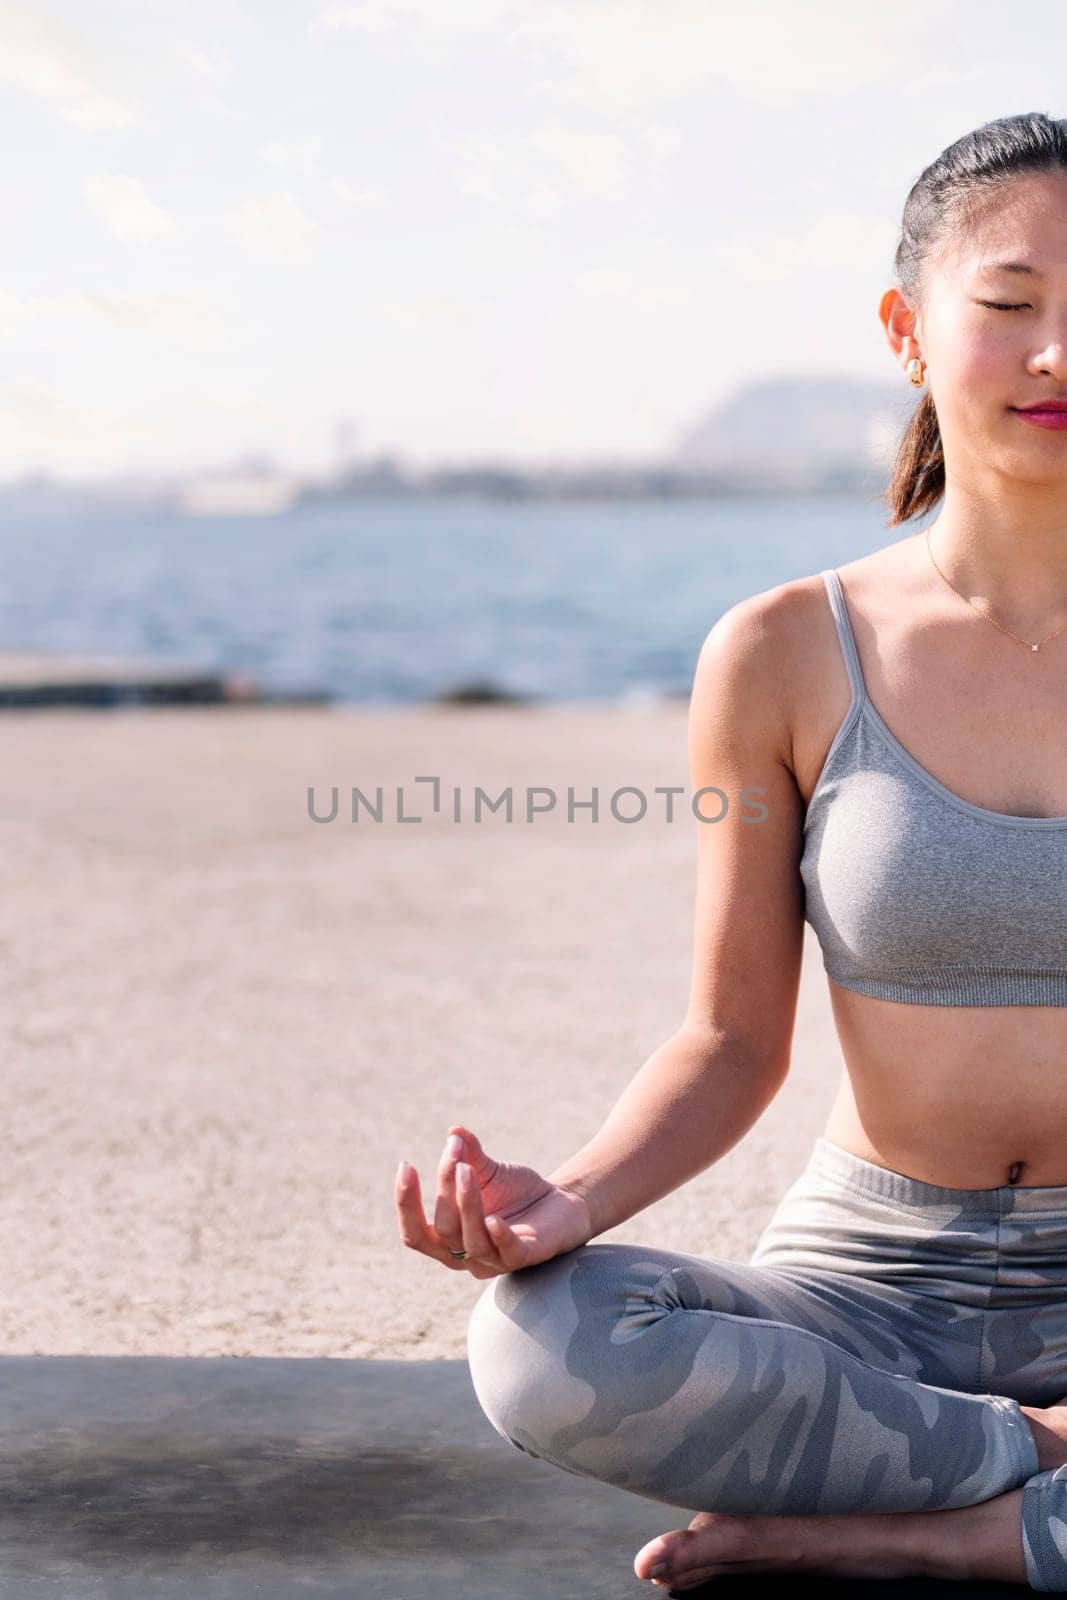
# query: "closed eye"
{"type": "Point", "coordinates": [995, 305]}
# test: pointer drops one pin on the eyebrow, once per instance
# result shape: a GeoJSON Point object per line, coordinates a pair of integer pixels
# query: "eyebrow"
{"type": "Point", "coordinates": [1010, 266]}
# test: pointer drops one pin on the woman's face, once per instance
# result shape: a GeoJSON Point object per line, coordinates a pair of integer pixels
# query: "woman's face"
{"type": "Point", "coordinates": [984, 360]}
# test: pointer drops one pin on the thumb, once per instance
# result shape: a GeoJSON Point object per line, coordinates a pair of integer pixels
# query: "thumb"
{"type": "Point", "coordinates": [473, 1153]}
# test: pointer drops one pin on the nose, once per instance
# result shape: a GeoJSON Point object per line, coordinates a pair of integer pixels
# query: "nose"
{"type": "Point", "coordinates": [1051, 360]}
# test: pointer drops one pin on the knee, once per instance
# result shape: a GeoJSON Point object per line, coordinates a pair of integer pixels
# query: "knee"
{"type": "Point", "coordinates": [517, 1338]}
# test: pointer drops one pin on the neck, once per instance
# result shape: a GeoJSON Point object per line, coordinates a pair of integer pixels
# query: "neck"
{"type": "Point", "coordinates": [1018, 570]}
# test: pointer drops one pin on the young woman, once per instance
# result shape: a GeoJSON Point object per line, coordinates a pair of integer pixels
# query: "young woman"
{"type": "Point", "coordinates": [876, 1392]}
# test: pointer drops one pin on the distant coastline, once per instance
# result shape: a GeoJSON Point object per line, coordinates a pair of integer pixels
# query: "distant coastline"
{"type": "Point", "coordinates": [256, 494]}
{"type": "Point", "coordinates": [800, 436]}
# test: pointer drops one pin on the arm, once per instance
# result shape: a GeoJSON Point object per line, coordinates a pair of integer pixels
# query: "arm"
{"type": "Point", "coordinates": [705, 1086]}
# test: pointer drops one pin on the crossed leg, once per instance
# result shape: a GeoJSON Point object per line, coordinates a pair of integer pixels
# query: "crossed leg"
{"type": "Point", "coordinates": [749, 1391]}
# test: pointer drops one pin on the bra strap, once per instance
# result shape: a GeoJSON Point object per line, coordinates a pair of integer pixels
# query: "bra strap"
{"type": "Point", "coordinates": [844, 632]}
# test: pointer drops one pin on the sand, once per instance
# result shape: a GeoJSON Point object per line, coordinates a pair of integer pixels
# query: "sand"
{"type": "Point", "coordinates": [226, 1023]}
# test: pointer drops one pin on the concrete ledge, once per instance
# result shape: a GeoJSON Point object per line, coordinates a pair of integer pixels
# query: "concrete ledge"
{"type": "Point", "coordinates": [213, 1479]}
{"type": "Point", "coordinates": [32, 679]}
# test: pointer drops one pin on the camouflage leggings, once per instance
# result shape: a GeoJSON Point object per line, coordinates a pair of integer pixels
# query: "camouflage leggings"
{"type": "Point", "coordinates": [871, 1356]}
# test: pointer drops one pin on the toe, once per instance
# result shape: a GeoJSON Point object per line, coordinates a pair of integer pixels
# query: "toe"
{"type": "Point", "coordinates": [651, 1556]}
{"type": "Point", "coordinates": [659, 1549]}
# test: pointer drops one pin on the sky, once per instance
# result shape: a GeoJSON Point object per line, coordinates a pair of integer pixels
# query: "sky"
{"type": "Point", "coordinates": [534, 231]}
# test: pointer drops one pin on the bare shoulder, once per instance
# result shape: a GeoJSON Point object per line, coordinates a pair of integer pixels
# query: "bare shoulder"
{"type": "Point", "coordinates": [772, 662]}
{"type": "Point", "coordinates": [767, 652]}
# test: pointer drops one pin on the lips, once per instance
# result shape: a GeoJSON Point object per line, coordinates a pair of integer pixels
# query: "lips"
{"type": "Point", "coordinates": [1044, 405]}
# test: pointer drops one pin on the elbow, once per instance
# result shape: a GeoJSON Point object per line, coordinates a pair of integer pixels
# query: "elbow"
{"type": "Point", "coordinates": [757, 1062]}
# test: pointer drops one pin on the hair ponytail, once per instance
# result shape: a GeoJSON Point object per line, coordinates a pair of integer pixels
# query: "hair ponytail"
{"type": "Point", "coordinates": [944, 201]}
{"type": "Point", "coordinates": [918, 480]}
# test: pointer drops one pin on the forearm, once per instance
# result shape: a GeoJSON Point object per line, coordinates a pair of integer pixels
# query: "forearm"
{"type": "Point", "coordinates": [693, 1099]}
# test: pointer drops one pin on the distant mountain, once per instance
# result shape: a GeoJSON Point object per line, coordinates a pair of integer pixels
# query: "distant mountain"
{"type": "Point", "coordinates": [800, 432]}
{"type": "Point", "coordinates": [816, 434]}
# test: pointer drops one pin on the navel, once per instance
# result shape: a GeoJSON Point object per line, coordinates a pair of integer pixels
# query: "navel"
{"type": "Point", "coordinates": [1016, 1169]}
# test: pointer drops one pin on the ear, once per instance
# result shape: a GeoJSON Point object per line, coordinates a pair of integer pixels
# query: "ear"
{"type": "Point", "coordinates": [901, 326]}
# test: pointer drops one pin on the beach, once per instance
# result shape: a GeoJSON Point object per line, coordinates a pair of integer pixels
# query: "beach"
{"type": "Point", "coordinates": [226, 1022]}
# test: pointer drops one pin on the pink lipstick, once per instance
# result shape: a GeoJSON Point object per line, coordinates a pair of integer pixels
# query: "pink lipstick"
{"type": "Point", "coordinates": [1043, 419]}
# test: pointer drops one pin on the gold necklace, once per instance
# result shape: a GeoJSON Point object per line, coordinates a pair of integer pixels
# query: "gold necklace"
{"type": "Point", "coordinates": [988, 616]}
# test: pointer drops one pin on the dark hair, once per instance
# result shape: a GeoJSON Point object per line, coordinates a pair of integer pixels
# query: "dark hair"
{"type": "Point", "coordinates": [948, 193]}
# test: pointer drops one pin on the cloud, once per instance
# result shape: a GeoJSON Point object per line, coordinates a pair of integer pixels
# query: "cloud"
{"type": "Point", "coordinates": [171, 313]}
{"type": "Point", "coordinates": [630, 53]}
{"type": "Point", "coordinates": [205, 63]}
{"type": "Point", "coordinates": [303, 157]}
{"type": "Point", "coordinates": [534, 173]}
{"type": "Point", "coordinates": [17, 312]}
{"type": "Point", "coordinates": [41, 428]}
{"type": "Point", "coordinates": [26, 314]}
{"type": "Point", "coordinates": [489, 167]}
{"type": "Point", "coordinates": [621, 287]}
{"type": "Point", "coordinates": [347, 193]}
{"type": "Point", "coordinates": [847, 242]}
{"type": "Point", "coordinates": [374, 16]}
{"type": "Point", "coordinates": [660, 139]}
{"type": "Point", "coordinates": [274, 229]}
{"type": "Point", "coordinates": [593, 162]}
{"type": "Point", "coordinates": [383, 16]}
{"type": "Point", "coordinates": [776, 53]}
{"type": "Point", "coordinates": [647, 53]}
{"type": "Point", "coordinates": [122, 205]}
{"type": "Point", "coordinates": [36, 57]}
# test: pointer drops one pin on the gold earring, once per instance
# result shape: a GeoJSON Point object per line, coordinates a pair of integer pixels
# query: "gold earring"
{"type": "Point", "coordinates": [915, 372]}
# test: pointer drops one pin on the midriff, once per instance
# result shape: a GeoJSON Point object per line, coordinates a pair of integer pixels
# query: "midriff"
{"type": "Point", "coordinates": [967, 1097]}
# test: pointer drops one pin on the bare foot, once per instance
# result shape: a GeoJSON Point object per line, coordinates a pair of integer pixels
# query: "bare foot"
{"type": "Point", "coordinates": [980, 1541]}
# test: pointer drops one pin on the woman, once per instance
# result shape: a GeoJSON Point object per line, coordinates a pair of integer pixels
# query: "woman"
{"type": "Point", "coordinates": [875, 1392]}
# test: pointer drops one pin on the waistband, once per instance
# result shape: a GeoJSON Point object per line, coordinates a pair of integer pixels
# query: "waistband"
{"type": "Point", "coordinates": [1007, 1199]}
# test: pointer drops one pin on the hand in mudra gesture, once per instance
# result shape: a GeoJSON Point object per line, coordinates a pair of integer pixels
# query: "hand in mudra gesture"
{"type": "Point", "coordinates": [502, 1215]}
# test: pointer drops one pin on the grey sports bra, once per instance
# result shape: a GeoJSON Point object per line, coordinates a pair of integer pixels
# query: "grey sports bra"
{"type": "Point", "coordinates": [914, 893]}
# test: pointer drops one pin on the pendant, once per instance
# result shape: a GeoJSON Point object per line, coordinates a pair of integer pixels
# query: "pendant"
{"type": "Point", "coordinates": [1035, 647]}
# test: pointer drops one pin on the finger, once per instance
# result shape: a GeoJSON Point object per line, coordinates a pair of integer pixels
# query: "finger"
{"type": "Point", "coordinates": [476, 1238]}
{"type": "Point", "coordinates": [482, 1164]}
{"type": "Point", "coordinates": [415, 1231]}
{"type": "Point", "coordinates": [414, 1228]}
{"type": "Point", "coordinates": [418, 1234]}
{"type": "Point", "coordinates": [446, 1218]}
{"type": "Point", "coordinates": [509, 1247]}
{"type": "Point", "coordinates": [483, 1236]}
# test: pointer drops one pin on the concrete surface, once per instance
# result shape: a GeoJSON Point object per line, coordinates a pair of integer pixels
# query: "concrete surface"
{"type": "Point", "coordinates": [212, 1479]}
